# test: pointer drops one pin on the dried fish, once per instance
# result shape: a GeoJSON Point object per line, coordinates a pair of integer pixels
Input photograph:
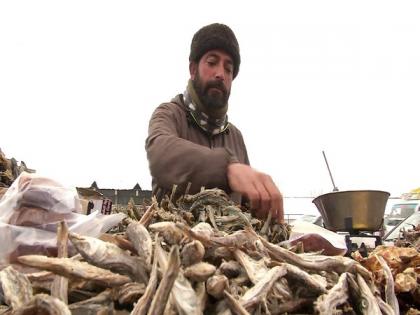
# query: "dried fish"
{"type": "Point", "coordinates": [365, 301]}
{"type": "Point", "coordinates": [110, 256]}
{"type": "Point", "coordinates": [406, 281]}
{"type": "Point", "coordinates": [192, 253]}
{"type": "Point", "coordinates": [258, 293]}
{"type": "Point", "coordinates": [216, 285]}
{"type": "Point", "coordinates": [118, 240]}
{"type": "Point", "coordinates": [316, 263]}
{"type": "Point", "coordinates": [234, 305]}
{"type": "Point", "coordinates": [385, 308]}
{"type": "Point", "coordinates": [16, 288]}
{"type": "Point", "coordinates": [169, 276]}
{"type": "Point", "coordinates": [200, 271]}
{"type": "Point", "coordinates": [99, 304]}
{"type": "Point", "coordinates": [200, 291]}
{"type": "Point", "coordinates": [41, 280]}
{"type": "Point", "coordinates": [306, 280]}
{"type": "Point", "coordinates": [59, 286]}
{"type": "Point", "coordinates": [129, 293]}
{"type": "Point", "coordinates": [43, 304]}
{"type": "Point", "coordinates": [183, 294]}
{"type": "Point", "coordinates": [390, 297]}
{"type": "Point", "coordinates": [140, 238]}
{"type": "Point", "coordinates": [147, 216]}
{"type": "Point", "coordinates": [144, 302]}
{"type": "Point", "coordinates": [230, 268]}
{"type": "Point", "coordinates": [291, 306]}
{"type": "Point", "coordinates": [327, 303]}
{"type": "Point", "coordinates": [168, 230]}
{"type": "Point", "coordinates": [255, 270]}
{"type": "Point", "coordinates": [203, 229]}
{"type": "Point", "coordinates": [73, 268]}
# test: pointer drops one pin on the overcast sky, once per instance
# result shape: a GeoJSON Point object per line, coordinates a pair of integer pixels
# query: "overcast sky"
{"type": "Point", "coordinates": [80, 79]}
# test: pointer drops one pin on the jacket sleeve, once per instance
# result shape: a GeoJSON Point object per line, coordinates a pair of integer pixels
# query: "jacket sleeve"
{"type": "Point", "coordinates": [174, 160]}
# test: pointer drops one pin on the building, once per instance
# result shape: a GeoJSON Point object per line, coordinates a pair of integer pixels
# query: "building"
{"type": "Point", "coordinates": [121, 197]}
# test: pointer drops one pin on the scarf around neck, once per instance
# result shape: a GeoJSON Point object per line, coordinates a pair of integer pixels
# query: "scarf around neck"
{"type": "Point", "coordinates": [213, 125]}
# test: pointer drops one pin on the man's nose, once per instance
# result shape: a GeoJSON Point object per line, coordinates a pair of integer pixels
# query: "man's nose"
{"type": "Point", "coordinates": [220, 72]}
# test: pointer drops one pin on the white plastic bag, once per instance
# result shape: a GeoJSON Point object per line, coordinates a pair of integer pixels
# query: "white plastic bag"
{"type": "Point", "coordinates": [30, 211]}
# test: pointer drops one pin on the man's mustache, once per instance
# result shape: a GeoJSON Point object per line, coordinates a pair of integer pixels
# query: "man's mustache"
{"type": "Point", "coordinates": [216, 84]}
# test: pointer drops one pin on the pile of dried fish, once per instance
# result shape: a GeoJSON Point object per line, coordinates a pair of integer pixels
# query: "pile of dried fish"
{"type": "Point", "coordinates": [410, 238]}
{"type": "Point", "coordinates": [396, 273]}
{"type": "Point", "coordinates": [200, 255]}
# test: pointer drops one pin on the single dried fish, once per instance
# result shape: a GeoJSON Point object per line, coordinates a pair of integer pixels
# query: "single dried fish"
{"type": "Point", "coordinates": [169, 276]}
{"type": "Point", "coordinates": [216, 285]}
{"type": "Point", "coordinates": [129, 293]}
{"type": "Point", "coordinates": [148, 215]}
{"type": "Point", "coordinates": [169, 231]}
{"type": "Point", "coordinates": [192, 253]}
{"type": "Point", "coordinates": [316, 263]}
{"type": "Point", "coordinates": [258, 293]}
{"type": "Point", "coordinates": [327, 303]}
{"type": "Point", "coordinates": [59, 286]}
{"type": "Point", "coordinates": [200, 271]}
{"type": "Point", "coordinates": [99, 304]}
{"type": "Point", "coordinates": [230, 268]}
{"type": "Point", "coordinates": [200, 291]}
{"type": "Point", "coordinates": [310, 282]}
{"type": "Point", "coordinates": [183, 294]}
{"type": "Point", "coordinates": [234, 305]}
{"type": "Point", "coordinates": [203, 229]}
{"type": "Point", "coordinates": [140, 238]}
{"type": "Point", "coordinates": [292, 306]}
{"type": "Point", "coordinates": [110, 256]}
{"type": "Point", "coordinates": [390, 297]}
{"type": "Point", "coordinates": [255, 270]}
{"type": "Point", "coordinates": [143, 303]}
{"type": "Point", "coordinates": [43, 304]}
{"type": "Point", "coordinates": [365, 300]}
{"type": "Point", "coordinates": [16, 287]}
{"type": "Point", "coordinates": [385, 308]}
{"type": "Point", "coordinates": [118, 240]}
{"type": "Point", "coordinates": [72, 268]}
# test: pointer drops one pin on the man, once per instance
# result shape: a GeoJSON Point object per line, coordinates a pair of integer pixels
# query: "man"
{"type": "Point", "coordinates": [190, 139]}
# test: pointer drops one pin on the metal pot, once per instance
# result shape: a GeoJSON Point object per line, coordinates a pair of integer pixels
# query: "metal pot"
{"type": "Point", "coordinates": [355, 210]}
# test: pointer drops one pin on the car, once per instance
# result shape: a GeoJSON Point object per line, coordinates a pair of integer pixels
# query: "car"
{"type": "Point", "coordinates": [391, 222]}
{"type": "Point", "coordinates": [404, 209]}
{"type": "Point", "coordinates": [408, 223]}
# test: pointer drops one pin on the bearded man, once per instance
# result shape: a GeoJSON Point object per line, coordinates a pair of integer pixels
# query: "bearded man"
{"type": "Point", "coordinates": [191, 140]}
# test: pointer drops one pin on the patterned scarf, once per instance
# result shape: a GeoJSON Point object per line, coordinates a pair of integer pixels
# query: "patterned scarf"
{"type": "Point", "coordinates": [211, 125]}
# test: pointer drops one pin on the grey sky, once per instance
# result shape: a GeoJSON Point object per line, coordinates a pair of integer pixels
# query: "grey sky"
{"type": "Point", "coordinates": [79, 81]}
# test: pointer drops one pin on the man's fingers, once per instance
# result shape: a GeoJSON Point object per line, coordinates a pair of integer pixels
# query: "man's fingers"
{"type": "Point", "coordinates": [259, 188]}
{"type": "Point", "coordinates": [276, 199]}
{"type": "Point", "coordinates": [264, 198]}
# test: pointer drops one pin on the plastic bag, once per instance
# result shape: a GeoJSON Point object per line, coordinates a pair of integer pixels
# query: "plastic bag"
{"type": "Point", "coordinates": [33, 191]}
{"type": "Point", "coordinates": [30, 211]}
{"type": "Point", "coordinates": [315, 238]}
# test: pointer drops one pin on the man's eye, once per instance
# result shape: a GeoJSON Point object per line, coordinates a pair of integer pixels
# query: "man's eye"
{"type": "Point", "coordinates": [211, 63]}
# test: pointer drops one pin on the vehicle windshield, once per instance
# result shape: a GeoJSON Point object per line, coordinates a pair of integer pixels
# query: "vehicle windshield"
{"type": "Point", "coordinates": [403, 209]}
{"type": "Point", "coordinates": [392, 221]}
{"type": "Point", "coordinates": [408, 224]}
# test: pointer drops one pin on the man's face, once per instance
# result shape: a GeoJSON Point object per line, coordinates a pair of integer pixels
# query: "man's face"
{"type": "Point", "coordinates": [212, 78]}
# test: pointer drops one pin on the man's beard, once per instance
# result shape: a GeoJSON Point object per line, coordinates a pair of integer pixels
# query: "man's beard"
{"type": "Point", "coordinates": [211, 99]}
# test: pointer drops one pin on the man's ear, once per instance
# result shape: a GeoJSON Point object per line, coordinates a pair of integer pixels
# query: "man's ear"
{"type": "Point", "coordinates": [193, 69]}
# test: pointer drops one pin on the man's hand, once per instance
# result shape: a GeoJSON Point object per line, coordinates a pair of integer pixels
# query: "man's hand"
{"type": "Point", "coordinates": [259, 188]}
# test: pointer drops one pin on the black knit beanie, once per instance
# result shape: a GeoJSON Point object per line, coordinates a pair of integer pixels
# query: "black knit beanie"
{"type": "Point", "coordinates": [216, 36]}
